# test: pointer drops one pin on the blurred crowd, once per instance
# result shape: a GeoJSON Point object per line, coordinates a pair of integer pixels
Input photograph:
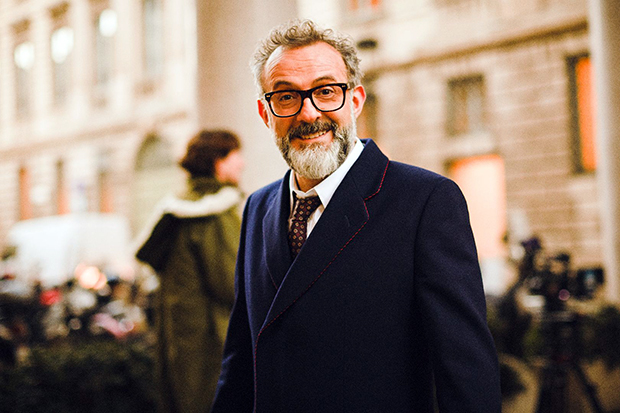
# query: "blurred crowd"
{"type": "Point", "coordinates": [32, 314]}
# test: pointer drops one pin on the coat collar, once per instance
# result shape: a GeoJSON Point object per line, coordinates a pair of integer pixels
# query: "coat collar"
{"type": "Point", "coordinates": [204, 205]}
{"type": "Point", "coordinates": [341, 221]}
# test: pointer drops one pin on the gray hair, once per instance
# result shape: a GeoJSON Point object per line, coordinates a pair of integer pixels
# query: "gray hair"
{"type": "Point", "coordinates": [304, 33]}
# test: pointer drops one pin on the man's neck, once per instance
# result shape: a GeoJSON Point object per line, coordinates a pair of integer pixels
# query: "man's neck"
{"type": "Point", "coordinates": [306, 184]}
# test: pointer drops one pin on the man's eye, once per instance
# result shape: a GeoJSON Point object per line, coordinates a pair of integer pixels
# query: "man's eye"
{"type": "Point", "coordinates": [325, 92]}
{"type": "Point", "coordinates": [285, 97]}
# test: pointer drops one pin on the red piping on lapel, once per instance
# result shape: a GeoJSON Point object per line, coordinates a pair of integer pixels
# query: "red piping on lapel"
{"type": "Point", "coordinates": [313, 282]}
{"type": "Point", "coordinates": [380, 183]}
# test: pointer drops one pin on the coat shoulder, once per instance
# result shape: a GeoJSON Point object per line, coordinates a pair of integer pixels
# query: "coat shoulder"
{"type": "Point", "coordinates": [406, 171]}
{"type": "Point", "coordinates": [416, 180]}
{"type": "Point", "coordinates": [265, 194]}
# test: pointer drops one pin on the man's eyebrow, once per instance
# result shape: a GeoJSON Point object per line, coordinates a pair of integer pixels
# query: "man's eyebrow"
{"type": "Point", "coordinates": [289, 85]}
{"type": "Point", "coordinates": [282, 83]}
{"type": "Point", "coordinates": [323, 78]}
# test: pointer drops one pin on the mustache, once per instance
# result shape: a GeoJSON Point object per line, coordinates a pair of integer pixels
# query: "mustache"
{"type": "Point", "coordinates": [311, 128]}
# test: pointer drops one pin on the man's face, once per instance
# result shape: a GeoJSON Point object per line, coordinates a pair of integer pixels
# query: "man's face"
{"type": "Point", "coordinates": [313, 143]}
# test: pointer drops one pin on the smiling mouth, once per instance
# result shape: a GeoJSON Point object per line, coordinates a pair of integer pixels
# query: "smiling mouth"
{"type": "Point", "coordinates": [311, 132]}
{"type": "Point", "coordinates": [313, 136]}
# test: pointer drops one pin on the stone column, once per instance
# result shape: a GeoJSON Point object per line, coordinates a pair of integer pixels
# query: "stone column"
{"type": "Point", "coordinates": [605, 47]}
{"type": "Point", "coordinates": [227, 33]}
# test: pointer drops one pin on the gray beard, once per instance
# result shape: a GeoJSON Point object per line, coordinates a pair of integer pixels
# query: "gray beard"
{"type": "Point", "coordinates": [317, 160]}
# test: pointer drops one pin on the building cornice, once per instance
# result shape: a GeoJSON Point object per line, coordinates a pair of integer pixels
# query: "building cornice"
{"type": "Point", "coordinates": [509, 38]}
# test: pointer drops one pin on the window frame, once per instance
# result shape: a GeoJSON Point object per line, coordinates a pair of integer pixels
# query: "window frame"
{"type": "Point", "coordinates": [101, 83]}
{"type": "Point", "coordinates": [153, 57]}
{"type": "Point", "coordinates": [465, 84]}
{"type": "Point", "coordinates": [61, 91]}
{"type": "Point", "coordinates": [24, 210]}
{"type": "Point", "coordinates": [363, 10]}
{"type": "Point", "coordinates": [23, 92]}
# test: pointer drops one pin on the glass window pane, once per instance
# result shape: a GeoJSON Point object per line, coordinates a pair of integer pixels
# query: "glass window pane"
{"type": "Point", "coordinates": [61, 45]}
{"type": "Point", "coordinates": [23, 56]}
{"type": "Point", "coordinates": [107, 23]}
{"type": "Point", "coordinates": [106, 27]}
{"type": "Point", "coordinates": [25, 207]}
{"type": "Point", "coordinates": [585, 108]}
{"type": "Point", "coordinates": [466, 105]}
{"type": "Point", "coordinates": [153, 39]}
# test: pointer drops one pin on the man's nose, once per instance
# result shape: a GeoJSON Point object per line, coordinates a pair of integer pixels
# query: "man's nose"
{"type": "Point", "coordinates": [308, 112]}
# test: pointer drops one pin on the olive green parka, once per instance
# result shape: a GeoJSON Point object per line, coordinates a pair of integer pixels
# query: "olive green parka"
{"type": "Point", "coordinates": [191, 243]}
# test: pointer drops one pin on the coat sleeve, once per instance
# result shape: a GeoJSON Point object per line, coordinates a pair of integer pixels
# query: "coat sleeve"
{"type": "Point", "coordinates": [451, 298]}
{"type": "Point", "coordinates": [235, 390]}
{"type": "Point", "coordinates": [157, 246]}
{"type": "Point", "coordinates": [217, 244]}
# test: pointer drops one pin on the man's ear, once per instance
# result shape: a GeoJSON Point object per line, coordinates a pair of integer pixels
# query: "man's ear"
{"type": "Point", "coordinates": [358, 98]}
{"type": "Point", "coordinates": [263, 111]}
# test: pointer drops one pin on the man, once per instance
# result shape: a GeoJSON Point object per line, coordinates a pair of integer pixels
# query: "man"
{"type": "Point", "coordinates": [383, 304]}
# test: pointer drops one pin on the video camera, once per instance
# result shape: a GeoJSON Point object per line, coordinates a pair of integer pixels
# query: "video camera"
{"type": "Point", "coordinates": [552, 277]}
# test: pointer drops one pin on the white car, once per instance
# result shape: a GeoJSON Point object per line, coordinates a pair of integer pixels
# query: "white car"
{"type": "Point", "coordinates": [50, 249]}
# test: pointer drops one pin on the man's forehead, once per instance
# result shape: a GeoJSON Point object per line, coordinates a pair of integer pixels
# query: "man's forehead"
{"type": "Point", "coordinates": [318, 58]}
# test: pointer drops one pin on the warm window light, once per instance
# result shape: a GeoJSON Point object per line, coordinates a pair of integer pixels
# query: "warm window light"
{"type": "Point", "coordinates": [24, 55]}
{"type": "Point", "coordinates": [586, 109]}
{"type": "Point", "coordinates": [62, 44]}
{"type": "Point", "coordinates": [108, 23]}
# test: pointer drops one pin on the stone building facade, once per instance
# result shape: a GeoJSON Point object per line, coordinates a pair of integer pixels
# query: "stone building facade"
{"type": "Point", "coordinates": [89, 105]}
{"type": "Point", "coordinates": [99, 97]}
{"type": "Point", "coordinates": [491, 93]}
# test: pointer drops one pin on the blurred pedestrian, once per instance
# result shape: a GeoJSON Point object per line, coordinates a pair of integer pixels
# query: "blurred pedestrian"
{"type": "Point", "coordinates": [192, 246]}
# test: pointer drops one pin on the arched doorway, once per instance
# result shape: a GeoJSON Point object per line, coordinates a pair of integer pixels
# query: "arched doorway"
{"type": "Point", "coordinates": [156, 175]}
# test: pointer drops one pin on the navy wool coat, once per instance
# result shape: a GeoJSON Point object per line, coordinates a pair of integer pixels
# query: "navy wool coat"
{"type": "Point", "coordinates": [383, 305]}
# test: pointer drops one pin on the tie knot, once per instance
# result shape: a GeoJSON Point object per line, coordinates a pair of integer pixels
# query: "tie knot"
{"type": "Point", "coordinates": [305, 207]}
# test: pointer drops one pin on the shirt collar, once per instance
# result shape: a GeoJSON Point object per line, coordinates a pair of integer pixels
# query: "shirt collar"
{"type": "Point", "coordinates": [327, 187]}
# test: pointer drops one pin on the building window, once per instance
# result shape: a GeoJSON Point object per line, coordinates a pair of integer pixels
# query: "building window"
{"type": "Point", "coordinates": [25, 206]}
{"type": "Point", "coordinates": [152, 41]}
{"type": "Point", "coordinates": [482, 180]}
{"type": "Point", "coordinates": [62, 190]}
{"type": "Point", "coordinates": [155, 175]}
{"type": "Point", "coordinates": [104, 183]}
{"type": "Point", "coordinates": [357, 5]}
{"type": "Point", "coordinates": [466, 105]}
{"type": "Point", "coordinates": [61, 46]}
{"type": "Point", "coordinates": [582, 113]}
{"type": "Point", "coordinates": [23, 59]}
{"type": "Point", "coordinates": [105, 27]}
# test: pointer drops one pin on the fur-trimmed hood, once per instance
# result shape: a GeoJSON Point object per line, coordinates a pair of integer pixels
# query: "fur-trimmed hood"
{"type": "Point", "coordinates": [174, 207]}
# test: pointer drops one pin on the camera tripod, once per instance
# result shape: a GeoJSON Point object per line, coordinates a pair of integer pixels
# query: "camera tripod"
{"type": "Point", "coordinates": [560, 330]}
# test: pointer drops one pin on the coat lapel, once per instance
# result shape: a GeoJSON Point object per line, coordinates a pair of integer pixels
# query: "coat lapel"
{"type": "Point", "coordinates": [275, 234]}
{"type": "Point", "coordinates": [342, 220]}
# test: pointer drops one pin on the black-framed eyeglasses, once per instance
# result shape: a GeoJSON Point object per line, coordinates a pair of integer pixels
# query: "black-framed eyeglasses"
{"type": "Point", "coordinates": [325, 98]}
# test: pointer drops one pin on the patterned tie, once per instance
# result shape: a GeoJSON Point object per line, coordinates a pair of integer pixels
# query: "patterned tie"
{"type": "Point", "coordinates": [297, 234]}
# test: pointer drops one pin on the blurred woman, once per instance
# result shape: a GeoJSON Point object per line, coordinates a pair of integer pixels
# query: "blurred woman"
{"type": "Point", "coordinates": [192, 246]}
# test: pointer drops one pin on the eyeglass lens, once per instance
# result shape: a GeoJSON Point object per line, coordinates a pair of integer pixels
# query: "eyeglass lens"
{"type": "Point", "coordinates": [326, 98]}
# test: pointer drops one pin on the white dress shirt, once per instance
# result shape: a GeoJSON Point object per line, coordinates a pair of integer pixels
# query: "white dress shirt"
{"type": "Point", "coordinates": [326, 188]}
